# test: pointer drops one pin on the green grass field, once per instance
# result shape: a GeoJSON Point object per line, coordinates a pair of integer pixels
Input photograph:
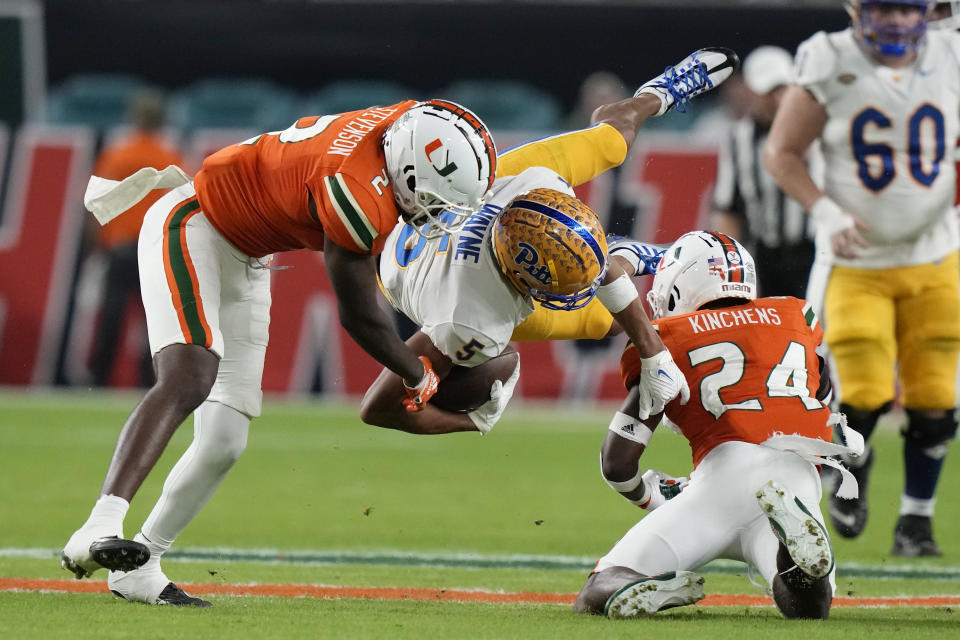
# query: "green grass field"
{"type": "Point", "coordinates": [521, 510]}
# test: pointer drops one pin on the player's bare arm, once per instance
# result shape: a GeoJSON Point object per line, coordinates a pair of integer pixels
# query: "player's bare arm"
{"type": "Point", "coordinates": [799, 121]}
{"type": "Point", "coordinates": [633, 319]}
{"type": "Point", "coordinates": [353, 276]}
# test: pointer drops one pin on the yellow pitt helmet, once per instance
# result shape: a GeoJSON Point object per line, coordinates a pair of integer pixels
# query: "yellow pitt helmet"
{"type": "Point", "coordinates": [551, 247]}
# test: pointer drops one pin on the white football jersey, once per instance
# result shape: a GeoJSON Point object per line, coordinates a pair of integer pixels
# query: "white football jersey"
{"type": "Point", "coordinates": [452, 286]}
{"type": "Point", "coordinates": [888, 143]}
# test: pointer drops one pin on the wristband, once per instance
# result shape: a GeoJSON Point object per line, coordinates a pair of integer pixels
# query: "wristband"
{"type": "Point", "coordinates": [630, 428]}
{"type": "Point", "coordinates": [617, 295]}
{"type": "Point", "coordinates": [827, 214]}
{"type": "Point", "coordinates": [627, 485]}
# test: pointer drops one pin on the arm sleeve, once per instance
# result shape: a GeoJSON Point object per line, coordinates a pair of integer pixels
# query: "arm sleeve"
{"type": "Point", "coordinates": [578, 156]}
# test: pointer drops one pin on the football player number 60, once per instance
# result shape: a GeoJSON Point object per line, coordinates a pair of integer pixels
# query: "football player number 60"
{"type": "Point", "coordinates": [787, 379]}
{"type": "Point", "coordinates": [926, 118]}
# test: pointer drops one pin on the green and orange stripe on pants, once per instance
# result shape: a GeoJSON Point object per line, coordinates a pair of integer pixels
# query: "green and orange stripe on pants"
{"type": "Point", "coordinates": [182, 275]}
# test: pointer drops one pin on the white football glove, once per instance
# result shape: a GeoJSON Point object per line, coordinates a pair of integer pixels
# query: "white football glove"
{"type": "Point", "coordinates": [660, 487]}
{"type": "Point", "coordinates": [660, 382]}
{"type": "Point", "coordinates": [487, 414]}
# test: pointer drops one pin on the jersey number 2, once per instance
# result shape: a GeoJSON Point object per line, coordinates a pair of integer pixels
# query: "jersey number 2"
{"type": "Point", "coordinates": [788, 378]}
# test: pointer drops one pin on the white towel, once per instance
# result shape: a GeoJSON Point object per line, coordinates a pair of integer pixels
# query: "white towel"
{"type": "Point", "coordinates": [106, 199]}
{"type": "Point", "coordinates": [847, 442]}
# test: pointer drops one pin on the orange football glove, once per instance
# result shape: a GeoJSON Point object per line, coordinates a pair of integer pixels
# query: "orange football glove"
{"type": "Point", "coordinates": [420, 395]}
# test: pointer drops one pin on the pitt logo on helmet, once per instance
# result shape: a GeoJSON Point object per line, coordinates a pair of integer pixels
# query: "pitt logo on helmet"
{"type": "Point", "coordinates": [529, 260]}
{"type": "Point", "coordinates": [551, 247]}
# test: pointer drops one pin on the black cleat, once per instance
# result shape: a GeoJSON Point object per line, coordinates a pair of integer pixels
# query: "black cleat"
{"type": "Point", "coordinates": [113, 553]}
{"type": "Point", "coordinates": [174, 596]}
{"type": "Point", "coordinates": [849, 517]}
{"type": "Point", "coordinates": [913, 537]}
{"type": "Point", "coordinates": [118, 554]}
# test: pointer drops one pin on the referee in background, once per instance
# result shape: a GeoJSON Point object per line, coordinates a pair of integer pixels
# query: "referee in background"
{"type": "Point", "coordinates": [747, 202]}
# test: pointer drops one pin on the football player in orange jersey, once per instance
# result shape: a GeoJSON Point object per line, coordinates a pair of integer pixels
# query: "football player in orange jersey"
{"type": "Point", "coordinates": [336, 184]}
{"type": "Point", "coordinates": [757, 424]}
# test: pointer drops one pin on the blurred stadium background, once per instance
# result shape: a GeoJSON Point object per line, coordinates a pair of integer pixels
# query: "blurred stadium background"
{"type": "Point", "coordinates": [229, 70]}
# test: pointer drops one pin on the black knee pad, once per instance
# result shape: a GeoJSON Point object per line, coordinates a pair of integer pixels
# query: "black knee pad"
{"type": "Point", "coordinates": [864, 420]}
{"type": "Point", "coordinates": [929, 432]}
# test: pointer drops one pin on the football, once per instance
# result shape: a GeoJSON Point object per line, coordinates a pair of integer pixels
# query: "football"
{"type": "Point", "coordinates": [466, 388]}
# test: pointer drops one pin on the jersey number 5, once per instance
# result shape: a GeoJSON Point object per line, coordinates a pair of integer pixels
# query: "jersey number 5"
{"type": "Point", "coordinates": [787, 379]}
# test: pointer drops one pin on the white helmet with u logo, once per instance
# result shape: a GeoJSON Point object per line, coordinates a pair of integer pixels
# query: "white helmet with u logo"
{"type": "Point", "coordinates": [440, 157]}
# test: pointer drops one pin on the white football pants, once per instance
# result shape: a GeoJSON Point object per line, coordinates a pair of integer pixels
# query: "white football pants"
{"type": "Point", "coordinates": [717, 515]}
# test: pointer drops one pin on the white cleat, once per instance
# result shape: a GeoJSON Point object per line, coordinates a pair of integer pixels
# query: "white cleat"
{"type": "Point", "coordinates": [92, 549]}
{"type": "Point", "coordinates": [150, 585]}
{"type": "Point", "coordinates": [699, 72]}
{"type": "Point", "coordinates": [656, 593]}
{"type": "Point", "coordinates": [804, 537]}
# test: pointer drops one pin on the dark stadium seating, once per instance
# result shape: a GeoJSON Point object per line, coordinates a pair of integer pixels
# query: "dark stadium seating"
{"type": "Point", "coordinates": [98, 100]}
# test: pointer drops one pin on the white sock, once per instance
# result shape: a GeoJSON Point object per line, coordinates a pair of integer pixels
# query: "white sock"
{"type": "Point", "coordinates": [916, 506]}
{"type": "Point", "coordinates": [108, 513]}
{"type": "Point", "coordinates": [157, 549]}
{"type": "Point", "coordinates": [665, 98]}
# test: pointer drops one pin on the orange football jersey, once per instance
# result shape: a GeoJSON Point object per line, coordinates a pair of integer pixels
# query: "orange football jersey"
{"type": "Point", "coordinates": [753, 372]}
{"type": "Point", "coordinates": [286, 190]}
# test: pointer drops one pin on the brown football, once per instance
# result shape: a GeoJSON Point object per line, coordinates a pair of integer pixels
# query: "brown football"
{"type": "Point", "coordinates": [466, 388]}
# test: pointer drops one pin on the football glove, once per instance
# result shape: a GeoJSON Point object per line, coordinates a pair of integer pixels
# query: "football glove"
{"type": "Point", "coordinates": [419, 396]}
{"type": "Point", "coordinates": [487, 414]}
{"type": "Point", "coordinates": [660, 487]}
{"type": "Point", "coordinates": [660, 382]}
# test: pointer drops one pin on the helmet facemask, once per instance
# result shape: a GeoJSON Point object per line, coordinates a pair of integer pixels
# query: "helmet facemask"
{"type": "Point", "coordinates": [551, 247]}
{"type": "Point", "coordinates": [889, 39]}
{"type": "Point", "coordinates": [441, 162]}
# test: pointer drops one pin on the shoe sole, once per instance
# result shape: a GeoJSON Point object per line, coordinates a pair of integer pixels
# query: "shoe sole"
{"type": "Point", "coordinates": [650, 595]}
{"type": "Point", "coordinates": [117, 554]}
{"type": "Point", "coordinates": [804, 536]}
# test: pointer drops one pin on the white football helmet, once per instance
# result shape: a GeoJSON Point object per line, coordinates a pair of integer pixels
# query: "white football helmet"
{"type": "Point", "coordinates": [946, 16]}
{"type": "Point", "coordinates": [440, 159]}
{"type": "Point", "coordinates": [700, 267]}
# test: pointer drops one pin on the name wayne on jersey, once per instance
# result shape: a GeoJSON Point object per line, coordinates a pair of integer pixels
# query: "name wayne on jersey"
{"type": "Point", "coordinates": [452, 286]}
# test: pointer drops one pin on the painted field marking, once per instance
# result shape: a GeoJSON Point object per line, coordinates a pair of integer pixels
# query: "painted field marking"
{"type": "Point", "coordinates": [441, 595]}
{"type": "Point", "coordinates": [397, 558]}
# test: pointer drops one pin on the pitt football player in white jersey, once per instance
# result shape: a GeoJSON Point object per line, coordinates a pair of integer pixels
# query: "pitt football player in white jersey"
{"type": "Point", "coordinates": [883, 96]}
{"type": "Point", "coordinates": [527, 267]}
